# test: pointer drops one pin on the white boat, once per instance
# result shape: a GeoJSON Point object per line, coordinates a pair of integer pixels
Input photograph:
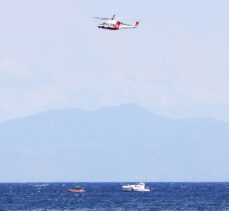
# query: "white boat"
{"type": "Point", "coordinates": [137, 187]}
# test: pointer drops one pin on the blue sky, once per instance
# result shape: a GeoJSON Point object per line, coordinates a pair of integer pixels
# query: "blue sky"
{"type": "Point", "coordinates": [53, 56]}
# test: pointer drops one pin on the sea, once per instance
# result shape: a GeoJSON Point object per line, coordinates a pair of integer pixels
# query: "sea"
{"type": "Point", "coordinates": [110, 197]}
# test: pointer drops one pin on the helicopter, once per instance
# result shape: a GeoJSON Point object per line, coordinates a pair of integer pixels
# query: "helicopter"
{"type": "Point", "coordinates": [115, 24]}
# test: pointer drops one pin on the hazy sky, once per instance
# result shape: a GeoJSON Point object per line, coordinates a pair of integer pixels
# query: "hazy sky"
{"type": "Point", "coordinates": [53, 56]}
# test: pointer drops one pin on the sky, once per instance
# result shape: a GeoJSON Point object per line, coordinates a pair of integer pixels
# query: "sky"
{"type": "Point", "coordinates": [53, 56]}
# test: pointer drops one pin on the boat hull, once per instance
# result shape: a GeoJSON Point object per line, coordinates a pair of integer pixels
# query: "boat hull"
{"type": "Point", "coordinates": [138, 188]}
{"type": "Point", "coordinates": [76, 191]}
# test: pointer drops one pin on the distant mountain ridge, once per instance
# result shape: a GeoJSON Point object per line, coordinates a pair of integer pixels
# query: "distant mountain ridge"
{"type": "Point", "coordinates": [120, 143]}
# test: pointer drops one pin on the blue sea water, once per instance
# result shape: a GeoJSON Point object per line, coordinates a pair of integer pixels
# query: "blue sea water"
{"type": "Point", "coordinates": [109, 196]}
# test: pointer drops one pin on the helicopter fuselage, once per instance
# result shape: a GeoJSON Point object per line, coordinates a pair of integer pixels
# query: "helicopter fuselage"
{"type": "Point", "coordinates": [116, 25]}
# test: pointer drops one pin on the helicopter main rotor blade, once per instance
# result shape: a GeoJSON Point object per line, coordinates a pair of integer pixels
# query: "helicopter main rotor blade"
{"type": "Point", "coordinates": [101, 18]}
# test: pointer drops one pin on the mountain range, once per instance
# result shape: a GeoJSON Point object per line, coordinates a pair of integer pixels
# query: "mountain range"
{"type": "Point", "coordinates": [120, 143]}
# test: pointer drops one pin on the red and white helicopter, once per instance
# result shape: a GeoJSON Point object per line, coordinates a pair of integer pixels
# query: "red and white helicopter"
{"type": "Point", "coordinates": [114, 24]}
